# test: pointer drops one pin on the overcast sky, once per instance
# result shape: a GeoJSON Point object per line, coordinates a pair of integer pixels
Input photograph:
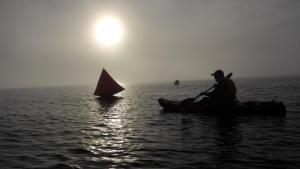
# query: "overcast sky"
{"type": "Point", "coordinates": [51, 42]}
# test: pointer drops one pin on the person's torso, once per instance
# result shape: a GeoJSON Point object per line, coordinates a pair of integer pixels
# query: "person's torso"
{"type": "Point", "coordinates": [225, 91]}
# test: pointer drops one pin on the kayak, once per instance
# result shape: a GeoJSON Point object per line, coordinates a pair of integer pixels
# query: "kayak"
{"type": "Point", "coordinates": [249, 107]}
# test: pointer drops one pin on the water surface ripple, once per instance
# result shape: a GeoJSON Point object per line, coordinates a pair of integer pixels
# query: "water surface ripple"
{"type": "Point", "coordinates": [68, 128]}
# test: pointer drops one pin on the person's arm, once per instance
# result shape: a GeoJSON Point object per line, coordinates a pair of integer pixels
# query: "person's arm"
{"type": "Point", "coordinates": [210, 94]}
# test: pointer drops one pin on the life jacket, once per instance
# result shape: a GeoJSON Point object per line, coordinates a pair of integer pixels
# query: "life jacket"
{"type": "Point", "coordinates": [224, 92]}
{"type": "Point", "coordinates": [230, 91]}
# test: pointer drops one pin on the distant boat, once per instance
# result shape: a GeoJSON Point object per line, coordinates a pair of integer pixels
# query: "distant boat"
{"type": "Point", "coordinates": [176, 82]}
{"type": "Point", "coordinates": [107, 86]}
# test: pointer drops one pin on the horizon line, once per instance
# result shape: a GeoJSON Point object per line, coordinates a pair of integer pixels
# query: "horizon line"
{"type": "Point", "coordinates": [148, 82]}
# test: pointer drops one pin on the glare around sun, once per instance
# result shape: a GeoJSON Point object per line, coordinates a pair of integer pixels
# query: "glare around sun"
{"type": "Point", "coordinates": [109, 31]}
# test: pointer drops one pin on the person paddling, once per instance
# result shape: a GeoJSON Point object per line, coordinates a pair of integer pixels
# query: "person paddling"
{"type": "Point", "coordinates": [224, 93]}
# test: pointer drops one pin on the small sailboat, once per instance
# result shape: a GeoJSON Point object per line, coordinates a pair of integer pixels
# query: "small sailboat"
{"type": "Point", "coordinates": [107, 86]}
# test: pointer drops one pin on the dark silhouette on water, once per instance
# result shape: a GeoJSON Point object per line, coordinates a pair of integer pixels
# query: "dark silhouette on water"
{"type": "Point", "coordinates": [222, 100]}
{"type": "Point", "coordinates": [176, 83]}
{"type": "Point", "coordinates": [207, 100]}
{"type": "Point", "coordinates": [224, 93]}
{"type": "Point", "coordinates": [107, 86]}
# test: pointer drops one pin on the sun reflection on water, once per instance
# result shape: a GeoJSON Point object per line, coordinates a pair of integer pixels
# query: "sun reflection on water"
{"type": "Point", "coordinates": [108, 135]}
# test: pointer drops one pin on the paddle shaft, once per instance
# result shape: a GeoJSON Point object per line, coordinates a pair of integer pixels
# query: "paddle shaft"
{"type": "Point", "coordinates": [202, 93]}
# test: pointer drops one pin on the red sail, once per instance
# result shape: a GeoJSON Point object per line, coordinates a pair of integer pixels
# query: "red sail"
{"type": "Point", "coordinates": [107, 86]}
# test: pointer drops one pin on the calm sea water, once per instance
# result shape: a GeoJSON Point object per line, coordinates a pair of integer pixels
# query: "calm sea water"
{"type": "Point", "coordinates": [68, 128]}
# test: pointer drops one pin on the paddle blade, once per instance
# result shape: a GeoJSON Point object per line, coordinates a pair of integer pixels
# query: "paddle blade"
{"type": "Point", "coordinates": [229, 75]}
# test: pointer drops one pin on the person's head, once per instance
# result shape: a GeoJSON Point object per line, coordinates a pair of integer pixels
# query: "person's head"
{"type": "Point", "coordinates": [218, 75]}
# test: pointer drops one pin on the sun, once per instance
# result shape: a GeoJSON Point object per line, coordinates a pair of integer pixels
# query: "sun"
{"type": "Point", "coordinates": [109, 31]}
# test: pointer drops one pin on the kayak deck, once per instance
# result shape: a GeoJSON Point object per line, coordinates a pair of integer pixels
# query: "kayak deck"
{"type": "Point", "coordinates": [249, 107]}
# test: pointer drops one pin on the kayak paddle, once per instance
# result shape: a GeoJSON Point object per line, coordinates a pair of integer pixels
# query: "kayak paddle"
{"type": "Point", "coordinates": [191, 100]}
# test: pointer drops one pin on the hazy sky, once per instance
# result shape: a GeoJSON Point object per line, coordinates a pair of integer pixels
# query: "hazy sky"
{"type": "Point", "coordinates": [51, 42]}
